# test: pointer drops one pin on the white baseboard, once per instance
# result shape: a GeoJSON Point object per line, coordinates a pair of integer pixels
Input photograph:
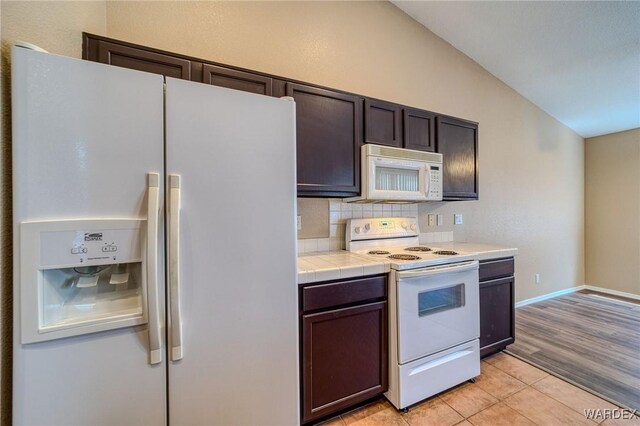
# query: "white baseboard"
{"type": "Point", "coordinates": [612, 292]}
{"type": "Point", "coordinates": [550, 295]}
{"type": "Point", "coordinates": [573, 290]}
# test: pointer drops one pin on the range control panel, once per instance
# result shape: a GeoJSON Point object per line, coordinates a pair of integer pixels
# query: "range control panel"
{"type": "Point", "coordinates": [382, 227]}
{"type": "Point", "coordinates": [89, 247]}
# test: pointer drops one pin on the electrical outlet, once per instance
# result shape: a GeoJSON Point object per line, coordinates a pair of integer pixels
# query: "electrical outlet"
{"type": "Point", "coordinates": [457, 219]}
{"type": "Point", "coordinates": [440, 220]}
{"type": "Point", "coordinates": [537, 278]}
{"type": "Point", "coordinates": [432, 220]}
{"type": "Point", "coordinates": [299, 223]}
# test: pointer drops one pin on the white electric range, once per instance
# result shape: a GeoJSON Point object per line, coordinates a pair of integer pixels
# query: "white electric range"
{"type": "Point", "coordinates": [434, 314]}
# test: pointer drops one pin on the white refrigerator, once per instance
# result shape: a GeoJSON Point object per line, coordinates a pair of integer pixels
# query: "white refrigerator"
{"type": "Point", "coordinates": [154, 249]}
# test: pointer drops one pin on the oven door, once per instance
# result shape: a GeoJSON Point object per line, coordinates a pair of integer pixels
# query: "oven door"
{"type": "Point", "coordinates": [438, 308]}
{"type": "Point", "coordinates": [396, 179]}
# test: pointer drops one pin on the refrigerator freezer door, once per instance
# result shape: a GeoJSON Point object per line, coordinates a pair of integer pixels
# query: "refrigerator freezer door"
{"type": "Point", "coordinates": [235, 155]}
{"type": "Point", "coordinates": [85, 135]}
{"type": "Point", "coordinates": [67, 284]}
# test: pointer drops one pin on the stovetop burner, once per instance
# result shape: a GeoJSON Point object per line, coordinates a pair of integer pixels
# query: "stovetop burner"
{"type": "Point", "coordinates": [404, 257]}
{"type": "Point", "coordinates": [445, 252]}
{"type": "Point", "coordinates": [418, 248]}
{"type": "Point", "coordinates": [378, 252]}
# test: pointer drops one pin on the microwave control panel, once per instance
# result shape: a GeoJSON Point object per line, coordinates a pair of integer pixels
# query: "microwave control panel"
{"type": "Point", "coordinates": [435, 182]}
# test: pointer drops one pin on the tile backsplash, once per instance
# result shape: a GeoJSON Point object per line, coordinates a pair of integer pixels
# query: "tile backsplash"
{"type": "Point", "coordinates": [339, 212]}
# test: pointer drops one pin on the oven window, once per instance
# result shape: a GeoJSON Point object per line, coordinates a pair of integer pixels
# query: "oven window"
{"type": "Point", "coordinates": [390, 179]}
{"type": "Point", "coordinates": [443, 299]}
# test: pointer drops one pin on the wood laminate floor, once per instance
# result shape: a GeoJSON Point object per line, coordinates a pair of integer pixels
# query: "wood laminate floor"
{"type": "Point", "coordinates": [586, 338]}
{"type": "Point", "coordinates": [507, 392]}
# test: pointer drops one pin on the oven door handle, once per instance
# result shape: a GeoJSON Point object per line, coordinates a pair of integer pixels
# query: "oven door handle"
{"type": "Point", "coordinates": [437, 270]}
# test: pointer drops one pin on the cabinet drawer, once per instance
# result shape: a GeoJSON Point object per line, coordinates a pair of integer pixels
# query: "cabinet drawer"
{"type": "Point", "coordinates": [343, 293]}
{"type": "Point", "coordinates": [492, 269]}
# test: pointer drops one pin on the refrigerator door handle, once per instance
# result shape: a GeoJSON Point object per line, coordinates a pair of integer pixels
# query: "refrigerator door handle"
{"type": "Point", "coordinates": [174, 268]}
{"type": "Point", "coordinates": [153, 209]}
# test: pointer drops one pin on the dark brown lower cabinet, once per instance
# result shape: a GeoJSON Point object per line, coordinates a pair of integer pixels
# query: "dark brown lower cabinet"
{"type": "Point", "coordinates": [497, 305]}
{"type": "Point", "coordinates": [343, 348]}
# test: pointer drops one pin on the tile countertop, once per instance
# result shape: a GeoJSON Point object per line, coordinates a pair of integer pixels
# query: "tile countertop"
{"type": "Point", "coordinates": [333, 265]}
{"type": "Point", "coordinates": [482, 251]}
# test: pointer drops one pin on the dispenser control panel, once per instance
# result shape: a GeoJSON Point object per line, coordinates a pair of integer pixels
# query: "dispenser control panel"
{"type": "Point", "coordinates": [89, 247]}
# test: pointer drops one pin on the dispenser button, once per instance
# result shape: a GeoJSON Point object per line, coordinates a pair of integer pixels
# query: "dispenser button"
{"type": "Point", "coordinates": [109, 248]}
{"type": "Point", "coordinates": [78, 250]}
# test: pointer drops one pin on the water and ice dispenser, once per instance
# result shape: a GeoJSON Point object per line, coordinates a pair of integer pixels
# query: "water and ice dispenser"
{"type": "Point", "coordinates": [81, 276]}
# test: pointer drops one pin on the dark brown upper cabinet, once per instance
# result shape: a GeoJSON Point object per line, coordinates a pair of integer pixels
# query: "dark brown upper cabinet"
{"type": "Point", "coordinates": [238, 80]}
{"type": "Point", "coordinates": [457, 141]}
{"type": "Point", "coordinates": [331, 125]}
{"type": "Point", "coordinates": [383, 123]}
{"type": "Point", "coordinates": [329, 137]}
{"type": "Point", "coordinates": [419, 129]}
{"type": "Point", "coordinates": [135, 58]}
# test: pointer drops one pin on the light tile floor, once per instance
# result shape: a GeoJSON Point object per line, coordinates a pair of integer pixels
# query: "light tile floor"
{"type": "Point", "coordinates": [507, 392]}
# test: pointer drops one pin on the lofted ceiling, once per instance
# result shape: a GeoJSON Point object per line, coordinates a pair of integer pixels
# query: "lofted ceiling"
{"type": "Point", "coordinates": [578, 61]}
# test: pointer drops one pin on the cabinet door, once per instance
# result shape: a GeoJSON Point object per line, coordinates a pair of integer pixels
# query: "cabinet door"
{"type": "Point", "coordinates": [383, 123]}
{"type": "Point", "coordinates": [329, 137]}
{"type": "Point", "coordinates": [497, 310]}
{"type": "Point", "coordinates": [419, 130]}
{"type": "Point", "coordinates": [458, 143]}
{"type": "Point", "coordinates": [238, 80]}
{"type": "Point", "coordinates": [137, 59]}
{"type": "Point", "coordinates": [344, 358]}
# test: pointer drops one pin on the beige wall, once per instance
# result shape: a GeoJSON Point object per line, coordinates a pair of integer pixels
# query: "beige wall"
{"type": "Point", "coordinates": [531, 179]}
{"type": "Point", "coordinates": [612, 211]}
{"type": "Point", "coordinates": [55, 26]}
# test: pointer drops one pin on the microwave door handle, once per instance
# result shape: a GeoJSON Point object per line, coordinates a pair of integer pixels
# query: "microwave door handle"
{"type": "Point", "coordinates": [427, 181]}
{"type": "Point", "coordinates": [437, 270]}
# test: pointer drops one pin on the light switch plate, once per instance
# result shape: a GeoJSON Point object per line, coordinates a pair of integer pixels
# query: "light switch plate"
{"type": "Point", "coordinates": [440, 220]}
{"type": "Point", "coordinates": [299, 221]}
{"type": "Point", "coordinates": [431, 220]}
{"type": "Point", "coordinates": [457, 219]}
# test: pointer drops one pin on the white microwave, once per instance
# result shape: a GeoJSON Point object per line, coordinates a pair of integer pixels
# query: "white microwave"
{"type": "Point", "coordinates": [400, 175]}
